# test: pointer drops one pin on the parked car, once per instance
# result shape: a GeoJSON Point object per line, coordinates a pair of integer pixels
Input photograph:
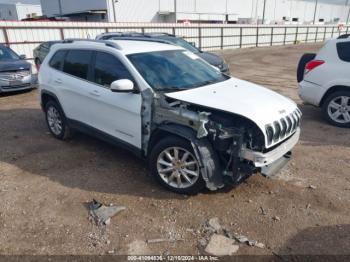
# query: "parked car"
{"type": "Point", "coordinates": [41, 51]}
{"type": "Point", "coordinates": [211, 58]}
{"type": "Point", "coordinates": [15, 72]}
{"type": "Point", "coordinates": [324, 80]}
{"type": "Point", "coordinates": [196, 126]}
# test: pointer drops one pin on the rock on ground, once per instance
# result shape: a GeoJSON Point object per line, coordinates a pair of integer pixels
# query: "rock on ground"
{"type": "Point", "coordinates": [221, 246]}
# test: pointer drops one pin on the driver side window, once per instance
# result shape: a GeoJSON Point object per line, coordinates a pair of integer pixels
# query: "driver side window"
{"type": "Point", "coordinates": [108, 69]}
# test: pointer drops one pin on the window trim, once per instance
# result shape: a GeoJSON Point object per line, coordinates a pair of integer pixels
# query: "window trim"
{"type": "Point", "coordinates": [136, 87]}
{"type": "Point", "coordinates": [91, 66]}
{"type": "Point", "coordinates": [64, 57]}
{"type": "Point", "coordinates": [338, 53]}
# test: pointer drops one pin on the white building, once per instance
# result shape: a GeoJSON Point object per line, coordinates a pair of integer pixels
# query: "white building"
{"type": "Point", "coordinates": [213, 11]}
{"type": "Point", "coordinates": [19, 11]}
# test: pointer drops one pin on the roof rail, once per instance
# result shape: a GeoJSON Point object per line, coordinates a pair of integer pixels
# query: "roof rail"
{"type": "Point", "coordinates": [343, 36]}
{"type": "Point", "coordinates": [159, 34]}
{"type": "Point", "coordinates": [142, 39]}
{"type": "Point", "coordinates": [106, 42]}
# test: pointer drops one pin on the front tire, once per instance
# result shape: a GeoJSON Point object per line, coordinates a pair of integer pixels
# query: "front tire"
{"type": "Point", "coordinates": [56, 121]}
{"type": "Point", "coordinates": [175, 166]}
{"type": "Point", "coordinates": [336, 109]}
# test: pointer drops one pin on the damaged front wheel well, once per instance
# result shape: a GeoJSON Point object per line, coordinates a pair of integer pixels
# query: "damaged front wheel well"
{"type": "Point", "coordinates": [169, 130]}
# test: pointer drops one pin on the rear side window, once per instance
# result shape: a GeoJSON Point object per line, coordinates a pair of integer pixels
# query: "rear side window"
{"type": "Point", "coordinates": [108, 69]}
{"type": "Point", "coordinates": [77, 63]}
{"type": "Point", "coordinates": [344, 51]}
{"type": "Point", "coordinates": [57, 59]}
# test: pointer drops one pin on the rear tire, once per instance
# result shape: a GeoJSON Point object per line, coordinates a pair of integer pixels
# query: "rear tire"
{"type": "Point", "coordinates": [302, 64]}
{"type": "Point", "coordinates": [336, 109]}
{"type": "Point", "coordinates": [181, 169]}
{"type": "Point", "coordinates": [56, 121]}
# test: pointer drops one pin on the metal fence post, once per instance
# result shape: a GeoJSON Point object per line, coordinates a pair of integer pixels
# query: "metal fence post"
{"type": "Point", "coordinates": [257, 35]}
{"type": "Point", "coordinates": [324, 34]}
{"type": "Point", "coordinates": [285, 36]}
{"type": "Point", "coordinates": [296, 35]}
{"type": "Point", "coordinates": [307, 34]}
{"type": "Point", "coordinates": [240, 37]}
{"type": "Point", "coordinates": [106, 30]}
{"type": "Point", "coordinates": [6, 37]}
{"type": "Point", "coordinates": [332, 31]}
{"type": "Point", "coordinates": [316, 34]}
{"type": "Point", "coordinates": [200, 37]}
{"type": "Point", "coordinates": [62, 33]}
{"type": "Point", "coordinates": [173, 29]}
{"type": "Point", "coordinates": [222, 38]}
{"type": "Point", "coordinates": [142, 30]}
{"type": "Point", "coordinates": [271, 40]}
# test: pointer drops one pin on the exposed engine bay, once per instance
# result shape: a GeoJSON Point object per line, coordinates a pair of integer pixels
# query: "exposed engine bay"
{"type": "Point", "coordinates": [226, 132]}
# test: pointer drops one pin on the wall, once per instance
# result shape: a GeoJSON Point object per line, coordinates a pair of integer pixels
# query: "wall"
{"type": "Point", "coordinates": [51, 7]}
{"type": "Point", "coordinates": [8, 12]}
{"type": "Point", "coordinates": [23, 10]}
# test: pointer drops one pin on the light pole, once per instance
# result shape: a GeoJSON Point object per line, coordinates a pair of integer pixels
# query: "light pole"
{"type": "Point", "coordinates": [316, 4]}
{"type": "Point", "coordinates": [263, 18]}
{"type": "Point", "coordinates": [347, 19]}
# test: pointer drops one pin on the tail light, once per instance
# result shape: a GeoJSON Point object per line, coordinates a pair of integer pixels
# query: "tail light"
{"type": "Point", "coordinates": [312, 65]}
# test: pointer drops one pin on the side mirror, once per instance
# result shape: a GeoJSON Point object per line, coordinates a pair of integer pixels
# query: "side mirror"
{"type": "Point", "coordinates": [23, 57]}
{"type": "Point", "coordinates": [123, 86]}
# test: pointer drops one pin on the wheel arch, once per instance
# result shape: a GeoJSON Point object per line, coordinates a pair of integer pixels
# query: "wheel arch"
{"type": "Point", "coordinates": [47, 96]}
{"type": "Point", "coordinates": [170, 129]}
{"type": "Point", "coordinates": [207, 157]}
{"type": "Point", "coordinates": [332, 90]}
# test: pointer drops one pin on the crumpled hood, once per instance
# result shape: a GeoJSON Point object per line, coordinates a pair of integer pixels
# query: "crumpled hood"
{"type": "Point", "coordinates": [239, 97]}
{"type": "Point", "coordinates": [13, 65]}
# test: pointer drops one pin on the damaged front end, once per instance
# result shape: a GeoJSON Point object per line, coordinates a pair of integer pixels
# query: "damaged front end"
{"type": "Point", "coordinates": [214, 135]}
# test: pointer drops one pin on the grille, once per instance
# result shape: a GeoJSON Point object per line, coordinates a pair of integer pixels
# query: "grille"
{"type": "Point", "coordinates": [14, 75]}
{"type": "Point", "coordinates": [281, 129]}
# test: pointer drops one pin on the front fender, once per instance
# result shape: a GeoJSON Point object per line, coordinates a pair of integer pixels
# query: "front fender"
{"type": "Point", "coordinates": [208, 159]}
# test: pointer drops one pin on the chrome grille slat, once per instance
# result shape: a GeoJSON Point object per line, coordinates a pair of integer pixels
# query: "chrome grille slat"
{"type": "Point", "coordinates": [284, 127]}
{"type": "Point", "coordinates": [8, 76]}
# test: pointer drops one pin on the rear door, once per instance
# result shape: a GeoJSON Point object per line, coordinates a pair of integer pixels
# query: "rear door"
{"type": "Point", "coordinates": [117, 114]}
{"type": "Point", "coordinates": [75, 89]}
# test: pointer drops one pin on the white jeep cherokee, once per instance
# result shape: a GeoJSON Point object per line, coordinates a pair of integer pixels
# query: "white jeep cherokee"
{"type": "Point", "coordinates": [196, 126]}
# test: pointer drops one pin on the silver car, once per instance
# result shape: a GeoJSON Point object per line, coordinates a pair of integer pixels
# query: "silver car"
{"type": "Point", "coordinates": [15, 72]}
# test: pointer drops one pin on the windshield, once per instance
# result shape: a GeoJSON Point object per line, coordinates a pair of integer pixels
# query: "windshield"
{"type": "Point", "coordinates": [174, 70]}
{"type": "Point", "coordinates": [7, 54]}
{"type": "Point", "coordinates": [180, 42]}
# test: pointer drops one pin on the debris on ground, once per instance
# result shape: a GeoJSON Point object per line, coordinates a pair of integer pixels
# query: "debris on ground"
{"type": "Point", "coordinates": [220, 245]}
{"type": "Point", "coordinates": [101, 213]}
{"type": "Point", "coordinates": [244, 239]}
{"type": "Point", "coordinates": [312, 187]}
{"type": "Point", "coordinates": [263, 211]}
{"type": "Point", "coordinates": [276, 218]}
{"type": "Point", "coordinates": [159, 240]}
{"type": "Point", "coordinates": [214, 224]}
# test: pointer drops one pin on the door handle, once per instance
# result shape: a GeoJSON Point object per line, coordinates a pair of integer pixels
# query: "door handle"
{"type": "Point", "coordinates": [95, 93]}
{"type": "Point", "coordinates": [58, 81]}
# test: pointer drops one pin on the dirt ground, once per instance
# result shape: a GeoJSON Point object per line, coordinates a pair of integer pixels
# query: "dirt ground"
{"type": "Point", "coordinates": [45, 185]}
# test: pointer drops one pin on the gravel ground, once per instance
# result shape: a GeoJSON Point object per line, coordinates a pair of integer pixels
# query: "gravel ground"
{"type": "Point", "coordinates": [45, 185]}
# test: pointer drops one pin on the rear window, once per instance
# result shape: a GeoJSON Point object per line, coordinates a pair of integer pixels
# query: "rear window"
{"type": "Point", "coordinates": [343, 49]}
{"type": "Point", "coordinates": [77, 63]}
{"type": "Point", "coordinates": [57, 60]}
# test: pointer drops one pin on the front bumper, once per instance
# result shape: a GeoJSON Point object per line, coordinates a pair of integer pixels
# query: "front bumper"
{"type": "Point", "coordinates": [24, 84]}
{"type": "Point", "coordinates": [264, 160]}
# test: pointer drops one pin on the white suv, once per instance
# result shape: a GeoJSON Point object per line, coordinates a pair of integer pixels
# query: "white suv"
{"type": "Point", "coordinates": [324, 80]}
{"type": "Point", "coordinates": [195, 125]}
